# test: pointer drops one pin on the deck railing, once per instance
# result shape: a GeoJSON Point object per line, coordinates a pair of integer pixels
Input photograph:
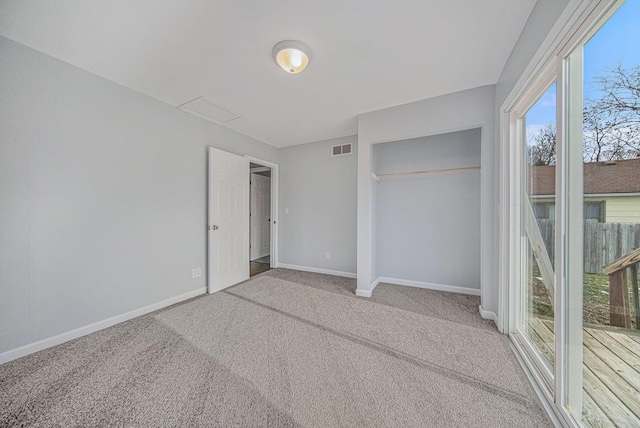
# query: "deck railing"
{"type": "Point", "coordinates": [619, 307]}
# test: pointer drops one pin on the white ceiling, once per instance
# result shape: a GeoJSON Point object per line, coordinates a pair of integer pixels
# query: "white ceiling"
{"type": "Point", "coordinates": [365, 54]}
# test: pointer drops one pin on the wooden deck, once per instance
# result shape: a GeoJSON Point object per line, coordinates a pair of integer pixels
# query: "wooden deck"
{"type": "Point", "coordinates": [611, 373]}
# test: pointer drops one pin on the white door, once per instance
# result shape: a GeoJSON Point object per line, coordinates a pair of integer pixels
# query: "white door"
{"type": "Point", "coordinates": [260, 216]}
{"type": "Point", "coordinates": [228, 220]}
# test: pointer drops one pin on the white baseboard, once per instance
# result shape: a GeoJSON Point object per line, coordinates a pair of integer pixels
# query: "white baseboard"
{"type": "Point", "coordinates": [431, 286]}
{"type": "Point", "coordinates": [488, 315]}
{"type": "Point", "coordinates": [91, 328]}
{"type": "Point", "coordinates": [317, 270]}
{"type": "Point", "coordinates": [368, 293]}
{"type": "Point", "coordinates": [363, 293]}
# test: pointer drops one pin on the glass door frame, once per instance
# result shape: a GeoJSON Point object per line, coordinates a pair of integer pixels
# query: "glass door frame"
{"type": "Point", "coordinates": [544, 376]}
{"type": "Point", "coordinates": [562, 64]}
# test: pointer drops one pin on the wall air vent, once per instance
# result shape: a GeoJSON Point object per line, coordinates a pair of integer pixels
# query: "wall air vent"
{"type": "Point", "coordinates": [341, 149]}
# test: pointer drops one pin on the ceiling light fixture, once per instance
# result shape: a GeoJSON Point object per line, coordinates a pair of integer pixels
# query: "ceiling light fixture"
{"type": "Point", "coordinates": [292, 56]}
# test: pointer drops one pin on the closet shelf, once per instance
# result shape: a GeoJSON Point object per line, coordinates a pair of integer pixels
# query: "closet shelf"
{"type": "Point", "coordinates": [432, 171]}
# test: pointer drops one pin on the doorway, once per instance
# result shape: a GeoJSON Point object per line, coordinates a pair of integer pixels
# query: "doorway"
{"type": "Point", "coordinates": [265, 256]}
{"type": "Point", "coordinates": [259, 218]}
{"type": "Point", "coordinates": [228, 218]}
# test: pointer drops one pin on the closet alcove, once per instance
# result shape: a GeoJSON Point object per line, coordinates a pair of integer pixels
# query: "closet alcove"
{"type": "Point", "coordinates": [426, 210]}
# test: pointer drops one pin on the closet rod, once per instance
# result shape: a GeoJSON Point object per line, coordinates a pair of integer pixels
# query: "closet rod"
{"type": "Point", "coordinates": [433, 171]}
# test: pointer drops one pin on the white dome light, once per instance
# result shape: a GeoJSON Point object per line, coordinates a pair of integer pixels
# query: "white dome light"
{"type": "Point", "coordinates": [292, 56]}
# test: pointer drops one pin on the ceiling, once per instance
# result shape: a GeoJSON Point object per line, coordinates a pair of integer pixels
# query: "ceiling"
{"type": "Point", "coordinates": [365, 54]}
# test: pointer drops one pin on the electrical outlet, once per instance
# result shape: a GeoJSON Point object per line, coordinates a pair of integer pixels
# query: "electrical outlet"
{"type": "Point", "coordinates": [327, 255]}
{"type": "Point", "coordinates": [196, 273]}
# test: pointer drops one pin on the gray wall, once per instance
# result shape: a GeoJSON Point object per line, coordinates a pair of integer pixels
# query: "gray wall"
{"type": "Point", "coordinates": [473, 108]}
{"type": "Point", "coordinates": [102, 196]}
{"type": "Point", "coordinates": [320, 192]}
{"type": "Point", "coordinates": [103, 190]}
{"type": "Point", "coordinates": [544, 15]}
{"type": "Point", "coordinates": [428, 226]}
{"type": "Point", "coordinates": [451, 150]}
{"type": "Point", "coordinates": [543, 18]}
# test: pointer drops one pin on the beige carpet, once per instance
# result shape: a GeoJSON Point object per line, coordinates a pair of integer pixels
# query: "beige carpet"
{"type": "Point", "coordinates": [283, 349]}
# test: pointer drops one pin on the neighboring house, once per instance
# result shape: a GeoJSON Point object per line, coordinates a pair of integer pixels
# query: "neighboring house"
{"type": "Point", "coordinates": [611, 189]}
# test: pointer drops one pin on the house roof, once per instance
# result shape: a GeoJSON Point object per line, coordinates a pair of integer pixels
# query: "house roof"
{"type": "Point", "coordinates": [599, 177]}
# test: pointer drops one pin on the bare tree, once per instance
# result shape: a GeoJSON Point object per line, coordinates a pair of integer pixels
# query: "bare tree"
{"type": "Point", "coordinates": [609, 135]}
{"type": "Point", "coordinates": [612, 119]}
{"type": "Point", "coordinates": [622, 90]}
{"type": "Point", "coordinates": [542, 146]}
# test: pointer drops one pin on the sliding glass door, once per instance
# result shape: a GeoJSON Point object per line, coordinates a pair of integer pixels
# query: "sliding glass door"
{"type": "Point", "coordinates": [604, 74]}
{"type": "Point", "coordinates": [537, 217]}
{"type": "Point", "coordinates": [575, 212]}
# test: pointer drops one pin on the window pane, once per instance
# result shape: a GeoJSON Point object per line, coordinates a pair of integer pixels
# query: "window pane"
{"type": "Point", "coordinates": [540, 210]}
{"type": "Point", "coordinates": [593, 211]}
{"type": "Point", "coordinates": [538, 226]}
{"type": "Point", "coordinates": [611, 151]}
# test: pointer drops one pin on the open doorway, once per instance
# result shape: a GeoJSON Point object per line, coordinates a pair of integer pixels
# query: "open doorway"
{"type": "Point", "coordinates": [260, 218]}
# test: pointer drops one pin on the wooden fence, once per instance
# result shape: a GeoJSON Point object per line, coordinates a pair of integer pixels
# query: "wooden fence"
{"type": "Point", "coordinates": [603, 242]}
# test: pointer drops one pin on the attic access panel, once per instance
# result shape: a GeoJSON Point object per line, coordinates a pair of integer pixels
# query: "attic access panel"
{"type": "Point", "coordinates": [209, 110]}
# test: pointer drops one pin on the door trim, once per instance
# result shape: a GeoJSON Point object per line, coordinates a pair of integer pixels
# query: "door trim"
{"type": "Point", "coordinates": [274, 207]}
{"type": "Point", "coordinates": [256, 252]}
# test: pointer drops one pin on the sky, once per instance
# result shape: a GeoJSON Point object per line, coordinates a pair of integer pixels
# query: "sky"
{"type": "Point", "coordinates": [617, 42]}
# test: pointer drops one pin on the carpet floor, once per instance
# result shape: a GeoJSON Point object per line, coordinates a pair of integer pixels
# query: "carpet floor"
{"type": "Point", "coordinates": [284, 348]}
